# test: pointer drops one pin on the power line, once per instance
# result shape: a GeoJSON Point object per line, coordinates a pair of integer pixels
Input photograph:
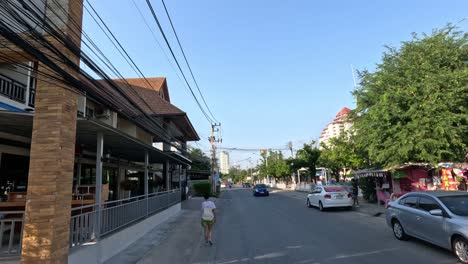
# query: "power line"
{"type": "Point", "coordinates": [186, 61]}
{"type": "Point", "coordinates": [177, 62]}
{"type": "Point", "coordinates": [157, 41]}
{"type": "Point", "coordinates": [61, 57]}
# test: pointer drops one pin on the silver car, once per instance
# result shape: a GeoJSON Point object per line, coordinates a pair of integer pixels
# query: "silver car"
{"type": "Point", "coordinates": [438, 217]}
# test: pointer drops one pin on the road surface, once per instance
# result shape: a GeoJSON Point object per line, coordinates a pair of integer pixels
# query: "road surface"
{"type": "Point", "coordinates": [279, 229]}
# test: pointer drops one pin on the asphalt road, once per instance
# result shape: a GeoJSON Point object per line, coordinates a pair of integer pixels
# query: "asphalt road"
{"type": "Point", "coordinates": [280, 229]}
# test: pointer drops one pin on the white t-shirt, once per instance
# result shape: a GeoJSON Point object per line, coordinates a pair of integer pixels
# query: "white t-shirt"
{"type": "Point", "coordinates": [207, 210]}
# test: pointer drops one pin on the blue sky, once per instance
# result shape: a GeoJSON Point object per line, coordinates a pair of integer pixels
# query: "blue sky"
{"type": "Point", "coordinates": [272, 71]}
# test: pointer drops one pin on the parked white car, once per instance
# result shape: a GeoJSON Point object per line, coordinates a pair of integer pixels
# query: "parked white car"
{"type": "Point", "coordinates": [329, 196]}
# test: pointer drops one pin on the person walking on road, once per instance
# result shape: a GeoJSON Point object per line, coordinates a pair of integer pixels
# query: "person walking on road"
{"type": "Point", "coordinates": [208, 218]}
{"type": "Point", "coordinates": [355, 190]}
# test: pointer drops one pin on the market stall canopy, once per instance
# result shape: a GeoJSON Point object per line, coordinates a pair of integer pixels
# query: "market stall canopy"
{"type": "Point", "coordinates": [378, 173]}
{"type": "Point", "coordinates": [413, 165]}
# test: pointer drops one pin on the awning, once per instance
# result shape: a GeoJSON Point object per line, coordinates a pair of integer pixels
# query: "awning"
{"type": "Point", "coordinates": [377, 173]}
{"type": "Point", "coordinates": [116, 142]}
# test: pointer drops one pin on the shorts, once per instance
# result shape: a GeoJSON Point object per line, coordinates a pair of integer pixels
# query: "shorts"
{"type": "Point", "coordinates": [354, 195]}
{"type": "Point", "coordinates": [207, 223]}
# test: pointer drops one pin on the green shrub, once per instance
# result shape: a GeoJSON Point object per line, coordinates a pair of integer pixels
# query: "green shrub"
{"type": "Point", "coordinates": [367, 185]}
{"type": "Point", "coordinates": [202, 188]}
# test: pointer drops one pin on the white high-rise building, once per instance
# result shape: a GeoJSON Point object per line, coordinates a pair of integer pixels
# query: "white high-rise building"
{"type": "Point", "coordinates": [224, 162]}
{"type": "Point", "coordinates": [340, 124]}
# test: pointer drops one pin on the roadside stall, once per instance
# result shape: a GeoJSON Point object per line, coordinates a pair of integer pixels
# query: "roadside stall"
{"type": "Point", "coordinates": [453, 176]}
{"type": "Point", "coordinates": [411, 178]}
{"type": "Point", "coordinates": [376, 184]}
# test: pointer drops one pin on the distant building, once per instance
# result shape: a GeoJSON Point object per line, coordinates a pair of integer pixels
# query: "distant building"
{"type": "Point", "coordinates": [337, 126]}
{"type": "Point", "coordinates": [224, 162]}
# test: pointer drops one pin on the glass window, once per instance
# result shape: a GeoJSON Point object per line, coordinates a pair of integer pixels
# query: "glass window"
{"type": "Point", "coordinates": [456, 204]}
{"type": "Point", "coordinates": [335, 189]}
{"type": "Point", "coordinates": [410, 201]}
{"type": "Point", "coordinates": [428, 204]}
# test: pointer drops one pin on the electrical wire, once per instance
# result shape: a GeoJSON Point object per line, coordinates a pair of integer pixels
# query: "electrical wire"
{"type": "Point", "coordinates": [186, 62]}
{"type": "Point", "coordinates": [177, 62]}
{"type": "Point", "coordinates": [5, 31]}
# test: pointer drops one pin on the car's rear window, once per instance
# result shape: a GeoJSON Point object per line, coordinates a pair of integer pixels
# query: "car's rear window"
{"type": "Point", "coordinates": [260, 186]}
{"type": "Point", "coordinates": [456, 204]}
{"type": "Point", "coordinates": [335, 189]}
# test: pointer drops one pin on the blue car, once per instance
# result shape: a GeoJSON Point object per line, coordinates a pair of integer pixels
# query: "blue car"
{"type": "Point", "coordinates": [260, 190]}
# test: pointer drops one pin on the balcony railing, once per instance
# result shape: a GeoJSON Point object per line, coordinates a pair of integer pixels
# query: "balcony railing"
{"type": "Point", "coordinates": [12, 89]}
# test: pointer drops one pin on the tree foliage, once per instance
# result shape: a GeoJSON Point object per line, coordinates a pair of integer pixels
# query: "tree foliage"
{"type": "Point", "coordinates": [308, 156]}
{"type": "Point", "coordinates": [342, 152]}
{"type": "Point", "coordinates": [274, 165]}
{"type": "Point", "coordinates": [237, 175]}
{"type": "Point", "coordinates": [414, 107]}
{"type": "Point", "coordinates": [199, 160]}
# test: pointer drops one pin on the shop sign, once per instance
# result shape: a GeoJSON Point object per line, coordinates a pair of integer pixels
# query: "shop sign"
{"type": "Point", "coordinates": [447, 179]}
{"type": "Point", "coordinates": [398, 175]}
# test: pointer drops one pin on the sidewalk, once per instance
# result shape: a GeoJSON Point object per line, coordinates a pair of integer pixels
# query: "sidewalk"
{"type": "Point", "coordinates": [170, 242]}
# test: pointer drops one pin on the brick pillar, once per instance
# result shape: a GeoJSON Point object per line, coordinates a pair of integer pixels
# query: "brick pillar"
{"type": "Point", "coordinates": [50, 180]}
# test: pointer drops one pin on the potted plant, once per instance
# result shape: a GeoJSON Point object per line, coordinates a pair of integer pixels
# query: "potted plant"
{"type": "Point", "coordinates": [127, 186]}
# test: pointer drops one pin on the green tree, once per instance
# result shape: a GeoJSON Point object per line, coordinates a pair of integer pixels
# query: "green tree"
{"type": "Point", "coordinates": [342, 152]}
{"type": "Point", "coordinates": [308, 157]}
{"type": "Point", "coordinates": [414, 107]}
{"type": "Point", "coordinates": [280, 166]}
{"type": "Point", "coordinates": [237, 175]}
{"type": "Point", "coordinates": [274, 165]}
{"type": "Point", "coordinates": [199, 160]}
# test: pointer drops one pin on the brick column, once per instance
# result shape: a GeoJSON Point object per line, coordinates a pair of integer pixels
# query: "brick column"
{"type": "Point", "coordinates": [50, 180]}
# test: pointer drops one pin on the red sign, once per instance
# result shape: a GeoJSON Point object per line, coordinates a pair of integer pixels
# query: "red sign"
{"type": "Point", "coordinates": [447, 179]}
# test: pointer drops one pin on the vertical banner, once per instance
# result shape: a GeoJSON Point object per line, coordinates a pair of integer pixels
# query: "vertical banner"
{"type": "Point", "coordinates": [447, 179]}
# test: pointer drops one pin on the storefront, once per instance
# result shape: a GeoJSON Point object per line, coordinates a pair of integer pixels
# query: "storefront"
{"type": "Point", "coordinates": [412, 178]}
{"type": "Point", "coordinates": [376, 184]}
{"type": "Point", "coordinates": [452, 176]}
{"type": "Point", "coordinates": [123, 164]}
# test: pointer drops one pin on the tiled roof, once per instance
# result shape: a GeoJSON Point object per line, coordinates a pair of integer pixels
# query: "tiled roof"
{"type": "Point", "coordinates": [147, 97]}
{"type": "Point", "coordinates": [343, 112]}
{"type": "Point", "coordinates": [157, 84]}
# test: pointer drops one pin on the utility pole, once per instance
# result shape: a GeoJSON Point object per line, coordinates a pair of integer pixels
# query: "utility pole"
{"type": "Point", "coordinates": [213, 140]}
{"type": "Point", "coordinates": [290, 146]}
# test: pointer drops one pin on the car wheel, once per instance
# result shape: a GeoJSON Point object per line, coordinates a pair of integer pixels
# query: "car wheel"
{"type": "Point", "coordinates": [321, 208]}
{"type": "Point", "coordinates": [308, 204]}
{"type": "Point", "coordinates": [460, 249]}
{"type": "Point", "coordinates": [398, 231]}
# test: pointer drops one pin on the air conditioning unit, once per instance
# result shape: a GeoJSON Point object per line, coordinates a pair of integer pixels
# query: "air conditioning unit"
{"type": "Point", "coordinates": [81, 105]}
{"type": "Point", "coordinates": [106, 113]}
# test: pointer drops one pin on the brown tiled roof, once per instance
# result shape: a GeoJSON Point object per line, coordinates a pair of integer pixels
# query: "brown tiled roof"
{"type": "Point", "coordinates": [157, 84]}
{"type": "Point", "coordinates": [148, 98]}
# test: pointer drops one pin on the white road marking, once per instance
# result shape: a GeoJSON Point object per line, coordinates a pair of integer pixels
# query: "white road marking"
{"type": "Point", "coordinates": [363, 254]}
{"type": "Point", "coordinates": [270, 255]}
{"type": "Point", "coordinates": [228, 262]}
{"type": "Point", "coordinates": [307, 261]}
{"type": "Point", "coordinates": [294, 247]}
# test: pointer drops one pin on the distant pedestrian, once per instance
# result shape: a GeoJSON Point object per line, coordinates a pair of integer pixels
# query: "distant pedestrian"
{"type": "Point", "coordinates": [208, 218]}
{"type": "Point", "coordinates": [355, 192]}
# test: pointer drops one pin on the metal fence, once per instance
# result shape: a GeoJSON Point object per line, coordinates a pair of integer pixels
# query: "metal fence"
{"type": "Point", "coordinates": [115, 215]}
{"type": "Point", "coordinates": [11, 231]}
